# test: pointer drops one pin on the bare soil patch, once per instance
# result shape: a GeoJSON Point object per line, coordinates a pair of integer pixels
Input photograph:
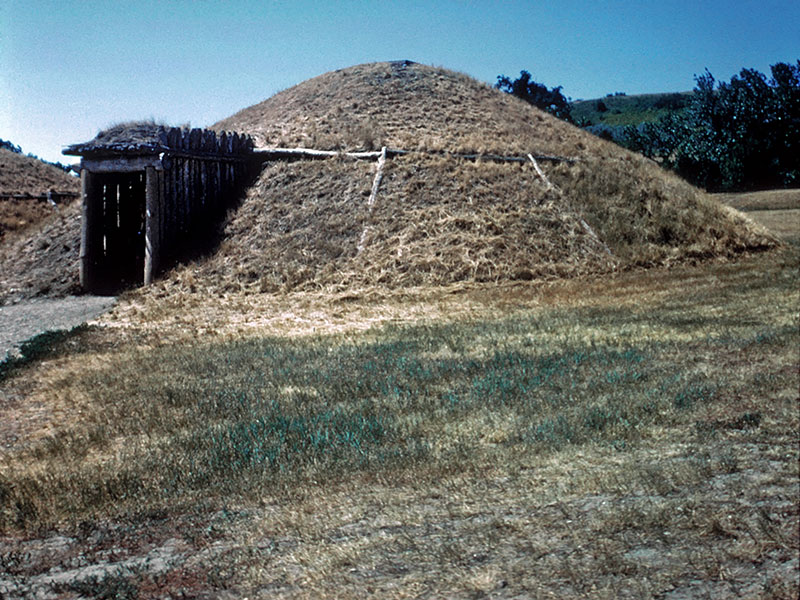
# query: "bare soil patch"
{"type": "Point", "coordinates": [19, 322]}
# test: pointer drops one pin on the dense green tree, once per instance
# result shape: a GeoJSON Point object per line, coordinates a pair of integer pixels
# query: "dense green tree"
{"type": "Point", "coordinates": [735, 135]}
{"type": "Point", "coordinates": [551, 100]}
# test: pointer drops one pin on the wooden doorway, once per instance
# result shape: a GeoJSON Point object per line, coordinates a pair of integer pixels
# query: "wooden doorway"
{"type": "Point", "coordinates": [120, 212]}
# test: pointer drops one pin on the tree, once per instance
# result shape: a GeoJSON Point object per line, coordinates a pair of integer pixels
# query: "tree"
{"type": "Point", "coordinates": [10, 146]}
{"type": "Point", "coordinates": [742, 134]}
{"type": "Point", "coordinates": [552, 101]}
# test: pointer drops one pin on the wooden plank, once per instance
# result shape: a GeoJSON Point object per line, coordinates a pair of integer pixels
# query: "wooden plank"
{"type": "Point", "coordinates": [122, 164]}
{"type": "Point", "coordinates": [376, 183]}
{"type": "Point", "coordinates": [309, 153]}
{"type": "Point", "coordinates": [541, 174]}
{"type": "Point", "coordinates": [187, 196]}
{"type": "Point", "coordinates": [171, 204]}
{"type": "Point", "coordinates": [90, 231]}
{"type": "Point", "coordinates": [174, 136]}
{"type": "Point", "coordinates": [152, 235]}
{"type": "Point", "coordinates": [195, 138]}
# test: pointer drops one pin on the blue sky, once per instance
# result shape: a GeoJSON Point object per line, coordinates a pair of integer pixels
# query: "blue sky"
{"type": "Point", "coordinates": [69, 68]}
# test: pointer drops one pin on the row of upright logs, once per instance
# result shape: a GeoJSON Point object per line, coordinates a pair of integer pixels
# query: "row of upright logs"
{"type": "Point", "coordinates": [154, 203]}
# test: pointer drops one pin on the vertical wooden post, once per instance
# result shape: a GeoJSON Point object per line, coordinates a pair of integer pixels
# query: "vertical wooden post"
{"type": "Point", "coordinates": [152, 235]}
{"type": "Point", "coordinates": [91, 231]}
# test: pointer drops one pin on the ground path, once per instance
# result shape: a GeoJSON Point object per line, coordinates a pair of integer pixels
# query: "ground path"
{"type": "Point", "coordinates": [19, 322]}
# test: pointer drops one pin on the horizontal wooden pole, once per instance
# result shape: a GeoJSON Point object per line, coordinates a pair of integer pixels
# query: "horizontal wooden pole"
{"type": "Point", "coordinates": [285, 153]}
{"type": "Point", "coordinates": [43, 197]}
{"type": "Point", "coordinates": [121, 164]}
{"type": "Point", "coordinates": [267, 154]}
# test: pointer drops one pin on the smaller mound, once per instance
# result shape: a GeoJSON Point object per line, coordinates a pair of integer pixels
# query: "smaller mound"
{"type": "Point", "coordinates": [28, 176]}
{"type": "Point", "coordinates": [44, 260]}
{"type": "Point", "coordinates": [20, 174]}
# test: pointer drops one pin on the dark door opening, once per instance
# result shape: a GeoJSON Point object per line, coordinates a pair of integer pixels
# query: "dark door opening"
{"type": "Point", "coordinates": [123, 230]}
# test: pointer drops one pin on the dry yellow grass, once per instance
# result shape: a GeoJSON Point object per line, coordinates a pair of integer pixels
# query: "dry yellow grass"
{"type": "Point", "coordinates": [777, 210]}
{"type": "Point", "coordinates": [20, 174]}
{"type": "Point", "coordinates": [441, 220]}
{"type": "Point", "coordinates": [700, 501]}
{"type": "Point", "coordinates": [763, 200]}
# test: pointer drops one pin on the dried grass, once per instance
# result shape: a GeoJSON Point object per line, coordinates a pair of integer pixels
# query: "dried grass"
{"type": "Point", "coordinates": [42, 260]}
{"type": "Point", "coordinates": [20, 174]}
{"type": "Point", "coordinates": [440, 219]}
{"type": "Point", "coordinates": [693, 493]}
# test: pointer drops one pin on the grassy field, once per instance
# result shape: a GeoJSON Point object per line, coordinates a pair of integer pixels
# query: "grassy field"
{"type": "Point", "coordinates": [628, 437]}
{"type": "Point", "coordinates": [628, 110]}
{"type": "Point", "coordinates": [777, 210]}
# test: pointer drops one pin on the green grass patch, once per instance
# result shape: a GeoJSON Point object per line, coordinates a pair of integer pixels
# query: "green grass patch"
{"type": "Point", "coordinates": [175, 423]}
{"type": "Point", "coordinates": [40, 347]}
{"type": "Point", "coordinates": [230, 418]}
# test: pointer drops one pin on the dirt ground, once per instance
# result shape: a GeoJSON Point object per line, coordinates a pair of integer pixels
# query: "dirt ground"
{"type": "Point", "coordinates": [19, 322]}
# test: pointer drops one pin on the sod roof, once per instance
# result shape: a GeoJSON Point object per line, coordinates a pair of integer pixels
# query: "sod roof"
{"type": "Point", "coordinates": [440, 218]}
{"type": "Point", "coordinates": [436, 218]}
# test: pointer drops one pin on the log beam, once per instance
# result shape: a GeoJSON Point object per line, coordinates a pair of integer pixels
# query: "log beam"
{"type": "Point", "coordinates": [91, 231]}
{"type": "Point", "coordinates": [152, 235]}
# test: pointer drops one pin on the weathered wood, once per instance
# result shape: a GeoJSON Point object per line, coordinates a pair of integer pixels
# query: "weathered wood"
{"type": "Point", "coordinates": [170, 206]}
{"type": "Point", "coordinates": [541, 174]}
{"type": "Point", "coordinates": [152, 236]}
{"type": "Point", "coordinates": [378, 177]}
{"type": "Point", "coordinates": [308, 153]}
{"type": "Point", "coordinates": [174, 189]}
{"type": "Point", "coordinates": [174, 136]}
{"type": "Point", "coordinates": [91, 231]}
{"type": "Point", "coordinates": [110, 212]}
{"type": "Point", "coordinates": [376, 183]}
{"type": "Point", "coordinates": [121, 164]}
{"type": "Point", "coordinates": [195, 138]}
{"type": "Point", "coordinates": [266, 154]}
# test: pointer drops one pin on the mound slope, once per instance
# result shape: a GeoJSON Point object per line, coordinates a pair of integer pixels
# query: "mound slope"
{"type": "Point", "coordinates": [440, 218]}
{"type": "Point", "coordinates": [20, 174]}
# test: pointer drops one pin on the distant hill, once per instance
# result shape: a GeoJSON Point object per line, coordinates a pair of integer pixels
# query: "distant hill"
{"type": "Point", "coordinates": [620, 109]}
{"type": "Point", "coordinates": [21, 174]}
